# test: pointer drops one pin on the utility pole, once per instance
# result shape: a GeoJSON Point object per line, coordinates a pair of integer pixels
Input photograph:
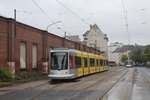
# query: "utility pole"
{"type": "Point", "coordinates": [65, 34]}
{"type": "Point", "coordinates": [15, 14]}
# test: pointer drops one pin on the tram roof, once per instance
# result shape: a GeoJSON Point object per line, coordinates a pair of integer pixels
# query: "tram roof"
{"type": "Point", "coordinates": [79, 53]}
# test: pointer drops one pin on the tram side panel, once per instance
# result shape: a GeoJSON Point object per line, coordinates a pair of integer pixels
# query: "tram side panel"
{"type": "Point", "coordinates": [86, 68]}
{"type": "Point", "coordinates": [92, 63]}
{"type": "Point", "coordinates": [97, 64]}
{"type": "Point", "coordinates": [78, 62]}
{"type": "Point", "coordinates": [105, 64]}
{"type": "Point", "coordinates": [107, 67]}
{"type": "Point", "coordinates": [72, 68]}
{"type": "Point", "coordinates": [85, 63]}
{"type": "Point", "coordinates": [101, 65]}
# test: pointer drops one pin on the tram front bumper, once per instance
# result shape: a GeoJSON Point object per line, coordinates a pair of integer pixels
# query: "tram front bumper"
{"type": "Point", "coordinates": [63, 76]}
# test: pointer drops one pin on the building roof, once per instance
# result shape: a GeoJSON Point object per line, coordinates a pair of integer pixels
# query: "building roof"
{"type": "Point", "coordinates": [94, 27]}
{"type": "Point", "coordinates": [91, 27]}
{"type": "Point", "coordinates": [74, 38]}
{"type": "Point", "coordinates": [87, 32]}
{"type": "Point", "coordinates": [125, 48]}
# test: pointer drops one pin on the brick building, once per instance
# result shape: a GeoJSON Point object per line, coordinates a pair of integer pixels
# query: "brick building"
{"type": "Point", "coordinates": [27, 48]}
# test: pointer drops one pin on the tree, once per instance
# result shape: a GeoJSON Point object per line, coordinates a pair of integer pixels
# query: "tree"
{"type": "Point", "coordinates": [136, 56]}
{"type": "Point", "coordinates": [140, 56]}
{"type": "Point", "coordinates": [124, 58]}
{"type": "Point", "coordinates": [147, 53]}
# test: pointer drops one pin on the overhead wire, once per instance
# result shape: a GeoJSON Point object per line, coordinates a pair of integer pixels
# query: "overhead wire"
{"type": "Point", "coordinates": [125, 15]}
{"type": "Point", "coordinates": [47, 16]}
{"type": "Point", "coordinates": [72, 12]}
{"type": "Point", "coordinates": [26, 14]}
{"type": "Point", "coordinates": [42, 11]}
{"type": "Point", "coordinates": [64, 30]}
{"type": "Point", "coordinates": [92, 18]}
{"type": "Point", "coordinates": [34, 20]}
{"type": "Point", "coordinates": [126, 20]}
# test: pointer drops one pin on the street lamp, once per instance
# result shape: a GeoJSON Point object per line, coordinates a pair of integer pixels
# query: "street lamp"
{"type": "Point", "coordinates": [63, 31]}
{"type": "Point", "coordinates": [52, 24]}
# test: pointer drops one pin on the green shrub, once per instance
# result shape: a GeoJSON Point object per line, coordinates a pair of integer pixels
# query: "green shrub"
{"type": "Point", "coordinates": [5, 74]}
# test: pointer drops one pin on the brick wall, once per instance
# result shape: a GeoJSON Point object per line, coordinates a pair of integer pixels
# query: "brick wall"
{"type": "Point", "coordinates": [3, 42]}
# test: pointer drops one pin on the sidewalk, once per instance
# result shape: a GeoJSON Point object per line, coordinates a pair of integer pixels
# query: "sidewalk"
{"type": "Point", "coordinates": [20, 86]}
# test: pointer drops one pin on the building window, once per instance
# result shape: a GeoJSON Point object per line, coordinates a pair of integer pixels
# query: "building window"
{"type": "Point", "coordinates": [34, 55]}
{"type": "Point", "coordinates": [23, 55]}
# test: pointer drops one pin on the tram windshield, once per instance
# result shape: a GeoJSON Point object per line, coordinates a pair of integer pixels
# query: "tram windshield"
{"type": "Point", "coordinates": [59, 60]}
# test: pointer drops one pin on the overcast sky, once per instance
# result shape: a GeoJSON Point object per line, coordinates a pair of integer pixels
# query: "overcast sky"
{"type": "Point", "coordinates": [75, 20]}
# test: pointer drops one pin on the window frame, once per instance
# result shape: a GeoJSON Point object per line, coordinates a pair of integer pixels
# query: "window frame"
{"type": "Point", "coordinates": [25, 44]}
{"type": "Point", "coordinates": [36, 54]}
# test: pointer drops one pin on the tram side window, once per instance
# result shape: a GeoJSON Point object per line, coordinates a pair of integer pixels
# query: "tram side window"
{"type": "Point", "coordinates": [78, 62]}
{"type": "Point", "coordinates": [70, 61]}
{"type": "Point", "coordinates": [85, 62]}
{"type": "Point", "coordinates": [106, 62]}
{"type": "Point", "coordinates": [92, 63]}
{"type": "Point", "coordinates": [101, 62]}
{"type": "Point", "coordinates": [97, 62]}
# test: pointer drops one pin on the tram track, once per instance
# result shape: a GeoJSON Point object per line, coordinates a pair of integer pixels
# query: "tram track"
{"type": "Point", "coordinates": [141, 87]}
{"type": "Point", "coordinates": [112, 86]}
{"type": "Point", "coordinates": [70, 85]}
{"type": "Point", "coordinates": [67, 87]}
{"type": "Point", "coordinates": [41, 87]}
{"type": "Point", "coordinates": [85, 78]}
{"type": "Point", "coordinates": [108, 77]}
{"type": "Point", "coordinates": [145, 76]}
{"type": "Point", "coordinates": [48, 89]}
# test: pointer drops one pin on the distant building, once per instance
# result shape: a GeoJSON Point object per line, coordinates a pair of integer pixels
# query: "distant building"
{"type": "Point", "coordinates": [97, 39]}
{"type": "Point", "coordinates": [124, 50]}
{"type": "Point", "coordinates": [117, 50]}
{"type": "Point", "coordinates": [74, 38]}
{"type": "Point", "coordinates": [114, 56]}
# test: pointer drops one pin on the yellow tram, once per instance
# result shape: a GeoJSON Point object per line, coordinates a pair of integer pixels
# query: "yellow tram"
{"type": "Point", "coordinates": [70, 63]}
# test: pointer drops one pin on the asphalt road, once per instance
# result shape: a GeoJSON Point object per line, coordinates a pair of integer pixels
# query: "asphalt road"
{"type": "Point", "coordinates": [119, 83]}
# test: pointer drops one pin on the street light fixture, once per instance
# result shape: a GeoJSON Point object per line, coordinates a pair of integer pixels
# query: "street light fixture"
{"type": "Point", "coordinates": [63, 31]}
{"type": "Point", "coordinates": [52, 24]}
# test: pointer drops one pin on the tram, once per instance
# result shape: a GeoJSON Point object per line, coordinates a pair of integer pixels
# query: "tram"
{"type": "Point", "coordinates": [129, 63]}
{"type": "Point", "coordinates": [70, 63]}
